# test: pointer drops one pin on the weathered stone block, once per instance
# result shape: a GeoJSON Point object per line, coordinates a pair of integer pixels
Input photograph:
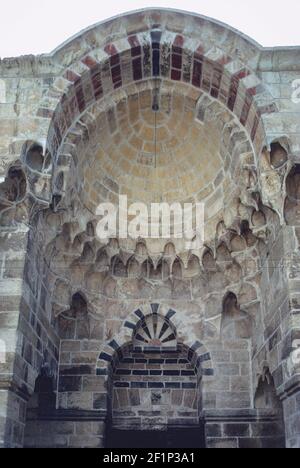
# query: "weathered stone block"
{"type": "Point", "coordinates": [93, 383]}
{"type": "Point", "coordinates": [213, 430]}
{"type": "Point", "coordinates": [222, 443]}
{"type": "Point", "coordinates": [100, 401]}
{"type": "Point", "coordinates": [236, 430]}
{"type": "Point", "coordinates": [230, 400]}
{"type": "Point", "coordinates": [70, 384]}
{"type": "Point", "coordinates": [80, 400]}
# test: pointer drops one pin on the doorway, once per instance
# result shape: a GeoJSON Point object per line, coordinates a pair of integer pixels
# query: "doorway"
{"type": "Point", "coordinates": [174, 438]}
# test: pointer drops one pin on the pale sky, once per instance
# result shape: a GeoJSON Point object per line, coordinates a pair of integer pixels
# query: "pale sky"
{"type": "Point", "coordinates": [39, 26]}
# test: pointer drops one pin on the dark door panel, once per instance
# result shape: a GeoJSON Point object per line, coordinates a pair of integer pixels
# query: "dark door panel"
{"type": "Point", "coordinates": [170, 439]}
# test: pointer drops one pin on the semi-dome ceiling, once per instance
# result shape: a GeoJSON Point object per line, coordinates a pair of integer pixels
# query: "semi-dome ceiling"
{"type": "Point", "coordinates": [200, 144]}
{"type": "Point", "coordinates": [167, 155]}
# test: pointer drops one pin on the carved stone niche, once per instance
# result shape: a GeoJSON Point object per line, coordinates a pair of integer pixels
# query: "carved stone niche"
{"type": "Point", "coordinates": [12, 195]}
{"type": "Point", "coordinates": [266, 396]}
{"type": "Point", "coordinates": [235, 322]}
{"type": "Point", "coordinates": [34, 158]}
{"type": "Point", "coordinates": [278, 155]}
{"type": "Point", "coordinates": [43, 400]}
{"type": "Point", "coordinates": [13, 189]}
{"type": "Point", "coordinates": [74, 324]}
{"type": "Point", "coordinates": [292, 202]}
{"type": "Point", "coordinates": [267, 402]}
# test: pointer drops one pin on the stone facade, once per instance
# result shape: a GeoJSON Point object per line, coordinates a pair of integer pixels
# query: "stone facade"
{"type": "Point", "coordinates": [160, 106]}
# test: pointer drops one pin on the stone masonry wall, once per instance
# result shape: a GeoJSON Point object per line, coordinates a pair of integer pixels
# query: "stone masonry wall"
{"type": "Point", "coordinates": [246, 279]}
{"type": "Point", "coordinates": [155, 390]}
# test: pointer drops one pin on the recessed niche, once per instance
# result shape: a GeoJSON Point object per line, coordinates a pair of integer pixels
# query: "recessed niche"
{"type": "Point", "coordinates": [291, 207]}
{"type": "Point", "coordinates": [13, 188]}
{"type": "Point", "coordinates": [235, 323]}
{"type": "Point", "coordinates": [258, 219]}
{"type": "Point", "coordinates": [278, 155]}
{"type": "Point", "coordinates": [293, 183]}
{"type": "Point", "coordinates": [35, 158]}
{"type": "Point", "coordinates": [208, 261]}
{"type": "Point", "coordinates": [119, 269]}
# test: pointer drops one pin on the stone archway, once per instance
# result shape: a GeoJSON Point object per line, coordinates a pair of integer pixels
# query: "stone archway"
{"type": "Point", "coordinates": [157, 47]}
{"type": "Point", "coordinates": [155, 386]}
{"type": "Point", "coordinates": [198, 354]}
{"type": "Point", "coordinates": [91, 138]}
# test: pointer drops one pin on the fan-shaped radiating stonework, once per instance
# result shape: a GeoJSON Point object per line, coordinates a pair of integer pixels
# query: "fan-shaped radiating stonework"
{"type": "Point", "coordinates": [155, 333]}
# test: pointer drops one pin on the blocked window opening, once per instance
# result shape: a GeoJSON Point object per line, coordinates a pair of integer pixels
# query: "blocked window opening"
{"type": "Point", "coordinates": [154, 389]}
{"type": "Point", "coordinates": [40, 407]}
{"type": "Point", "coordinates": [267, 402]}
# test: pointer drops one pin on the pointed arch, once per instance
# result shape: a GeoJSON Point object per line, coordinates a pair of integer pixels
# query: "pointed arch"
{"type": "Point", "coordinates": [197, 353]}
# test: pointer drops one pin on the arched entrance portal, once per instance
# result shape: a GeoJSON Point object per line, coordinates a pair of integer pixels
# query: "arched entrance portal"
{"type": "Point", "coordinates": [155, 390]}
